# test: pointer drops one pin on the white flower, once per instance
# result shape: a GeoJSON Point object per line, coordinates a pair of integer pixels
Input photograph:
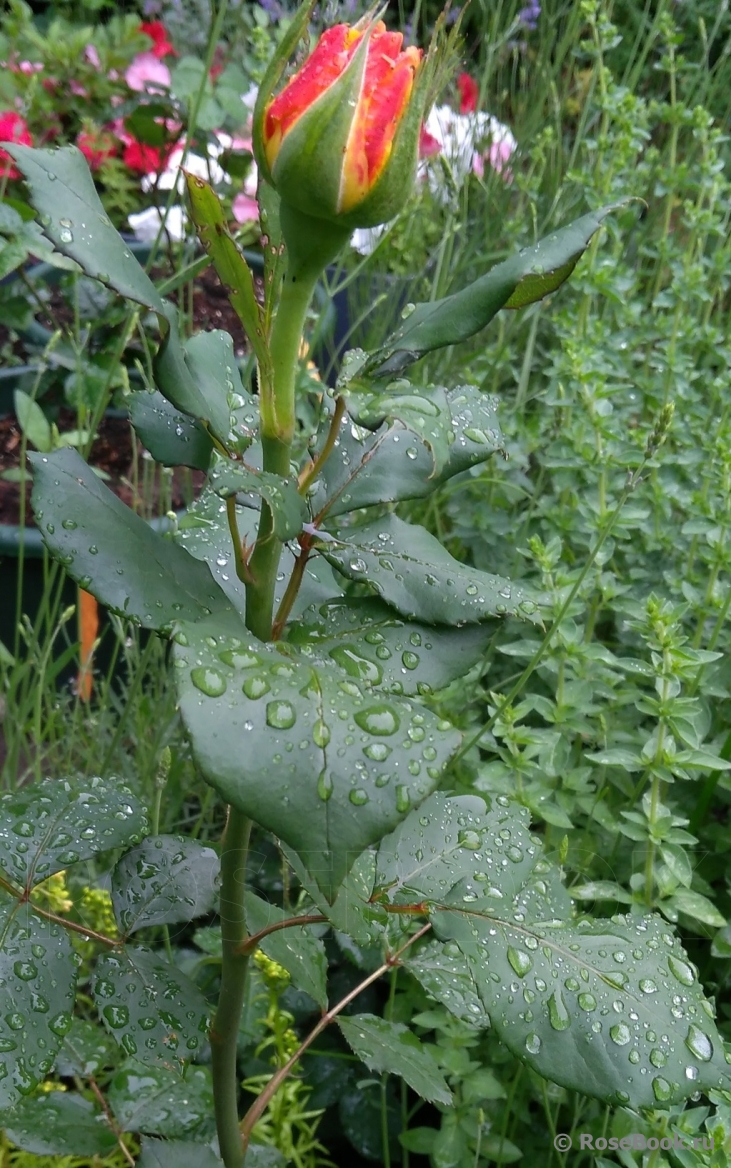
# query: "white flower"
{"type": "Point", "coordinates": [146, 224]}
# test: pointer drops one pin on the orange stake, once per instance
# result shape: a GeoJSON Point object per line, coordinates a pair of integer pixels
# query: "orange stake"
{"type": "Point", "coordinates": [88, 630]}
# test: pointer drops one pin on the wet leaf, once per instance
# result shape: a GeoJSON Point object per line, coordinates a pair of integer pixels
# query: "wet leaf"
{"type": "Point", "coordinates": [59, 1124]}
{"type": "Point", "coordinates": [158, 1102]}
{"type": "Point", "coordinates": [424, 412]}
{"type": "Point", "coordinates": [172, 437]}
{"type": "Point", "coordinates": [351, 912]}
{"type": "Point", "coordinates": [113, 553]}
{"type": "Point", "coordinates": [71, 215]}
{"type": "Point", "coordinates": [164, 880]}
{"type": "Point", "coordinates": [394, 463]}
{"type": "Point", "coordinates": [441, 970]}
{"type": "Point", "coordinates": [50, 825]}
{"type": "Point", "coordinates": [330, 764]}
{"type": "Point", "coordinates": [152, 1010]}
{"type": "Point", "coordinates": [366, 640]}
{"type": "Point", "coordinates": [412, 572]}
{"type": "Point", "coordinates": [524, 278]}
{"type": "Point", "coordinates": [177, 1154]}
{"type": "Point", "coordinates": [203, 532]}
{"type": "Point", "coordinates": [391, 1047]}
{"type": "Point", "coordinates": [610, 1008]}
{"type": "Point", "coordinates": [38, 979]}
{"type": "Point", "coordinates": [285, 503]}
{"type": "Point", "coordinates": [295, 949]}
{"type": "Point", "coordinates": [85, 1050]}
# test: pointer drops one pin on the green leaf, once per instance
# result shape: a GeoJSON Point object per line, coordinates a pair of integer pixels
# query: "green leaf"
{"type": "Point", "coordinates": [157, 1101]}
{"type": "Point", "coordinates": [229, 262]}
{"type": "Point", "coordinates": [678, 861]}
{"type": "Point", "coordinates": [424, 412]}
{"type": "Point", "coordinates": [164, 880]}
{"type": "Point", "coordinates": [287, 506]}
{"type": "Point", "coordinates": [85, 1050]}
{"type": "Point", "coordinates": [295, 719]}
{"type": "Point", "coordinates": [411, 571]}
{"type": "Point", "coordinates": [295, 949]}
{"type": "Point", "coordinates": [176, 1154]}
{"type": "Point", "coordinates": [694, 904]}
{"type": "Point", "coordinates": [152, 1010]}
{"type": "Point", "coordinates": [524, 278]}
{"type": "Point", "coordinates": [113, 553]}
{"type": "Point", "coordinates": [442, 971]}
{"type": "Point", "coordinates": [351, 912]}
{"type": "Point", "coordinates": [394, 464]}
{"type": "Point", "coordinates": [172, 438]}
{"type": "Point", "coordinates": [199, 376]}
{"type": "Point", "coordinates": [59, 1124]}
{"type": "Point", "coordinates": [418, 1139]}
{"type": "Point", "coordinates": [601, 890]}
{"type": "Point", "coordinates": [73, 218]}
{"type": "Point", "coordinates": [38, 979]}
{"type": "Point", "coordinates": [391, 1047]}
{"type": "Point", "coordinates": [365, 639]}
{"type": "Point", "coordinates": [261, 1156]}
{"type": "Point", "coordinates": [46, 827]}
{"type": "Point", "coordinates": [203, 532]}
{"type": "Point", "coordinates": [33, 421]}
{"type": "Point", "coordinates": [612, 1009]}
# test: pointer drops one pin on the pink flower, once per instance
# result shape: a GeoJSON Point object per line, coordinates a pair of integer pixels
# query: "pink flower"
{"type": "Point", "coordinates": [469, 93]}
{"type": "Point", "coordinates": [77, 88]}
{"type": "Point", "coordinates": [29, 67]}
{"type": "Point", "coordinates": [156, 31]}
{"type": "Point", "coordinates": [244, 208]}
{"type": "Point", "coordinates": [92, 56]}
{"type": "Point", "coordinates": [13, 128]}
{"type": "Point", "coordinates": [428, 144]}
{"type": "Point", "coordinates": [147, 73]}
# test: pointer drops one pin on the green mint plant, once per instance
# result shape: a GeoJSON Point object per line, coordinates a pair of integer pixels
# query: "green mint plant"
{"type": "Point", "coordinates": [311, 627]}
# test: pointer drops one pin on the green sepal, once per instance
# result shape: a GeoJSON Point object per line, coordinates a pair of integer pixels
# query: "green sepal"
{"type": "Point", "coordinates": [275, 69]}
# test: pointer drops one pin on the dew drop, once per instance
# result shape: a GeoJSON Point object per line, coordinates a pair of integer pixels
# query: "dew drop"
{"type": "Point", "coordinates": [533, 1044]}
{"type": "Point", "coordinates": [378, 720]}
{"type": "Point", "coordinates": [208, 681]}
{"type": "Point", "coordinates": [681, 970]}
{"type": "Point", "coordinates": [281, 715]}
{"type": "Point", "coordinates": [520, 961]}
{"type": "Point", "coordinates": [558, 1015]}
{"type": "Point", "coordinates": [255, 687]}
{"type": "Point", "coordinates": [699, 1044]}
{"type": "Point", "coordinates": [359, 797]}
{"type": "Point", "coordinates": [621, 1033]}
{"type": "Point", "coordinates": [661, 1089]}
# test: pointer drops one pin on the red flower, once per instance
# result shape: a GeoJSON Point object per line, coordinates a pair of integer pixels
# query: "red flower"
{"type": "Point", "coordinates": [156, 31]}
{"type": "Point", "coordinates": [13, 128]}
{"type": "Point", "coordinates": [469, 92]}
{"type": "Point", "coordinates": [144, 159]}
{"type": "Point", "coordinates": [97, 146]}
{"type": "Point", "coordinates": [318, 162]}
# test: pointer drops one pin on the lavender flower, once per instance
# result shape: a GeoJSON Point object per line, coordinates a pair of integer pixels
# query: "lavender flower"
{"type": "Point", "coordinates": [529, 15]}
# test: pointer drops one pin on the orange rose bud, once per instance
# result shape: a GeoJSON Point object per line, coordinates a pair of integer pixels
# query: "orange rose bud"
{"type": "Point", "coordinates": [340, 142]}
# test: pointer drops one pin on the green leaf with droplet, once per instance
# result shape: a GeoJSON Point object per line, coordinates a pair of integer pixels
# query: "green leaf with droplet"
{"type": "Point", "coordinates": [352, 911]}
{"type": "Point", "coordinates": [394, 463]}
{"type": "Point", "coordinates": [411, 571]}
{"type": "Point", "coordinates": [172, 437]}
{"type": "Point", "coordinates": [156, 1101]}
{"type": "Point", "coordinates": [50, 825]}
{"type": "Point", "coordinates": [524, 278]}
{"type": "Point", "coordinates": [85, 1050]}
{"type": "Point", "coordinates": [164, 880]}
{"type": "Point", "coordinates": [392, 1048]}
{"type": "Point", "coordinates": [152, 1010]}
{"type": "Point", "coordinates": [366, 640]}
{"type": "Point", "coordinates": [610, 1008]}
{"type": "Point", "coordinates": [38, 978]}
{"type": "Point", "coordinates": [449, 839]}
{"type": "Point", "coordinates": [329, 766]}
{"type": "Point", "coordinates": [72, 216]}
{"type": "Point", "coordinates": [441, 970]}
{"type": "Point", "coordinates": [113, 553]}
{"type": "Point", "coordinates": [287, 506]}
{"type": "Point", "coordinates": [203, 532]}
{"type": "Point", "coordinates": [424, 412]}
{"type": "Point", "coordinates": [59, 1124]}
{"type": "Point", "coordinates": [199, 376]}
{"type": "Point", "coordinates": [177, 1154]}
{"type": "Point", "coordinates": [296, 949]}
